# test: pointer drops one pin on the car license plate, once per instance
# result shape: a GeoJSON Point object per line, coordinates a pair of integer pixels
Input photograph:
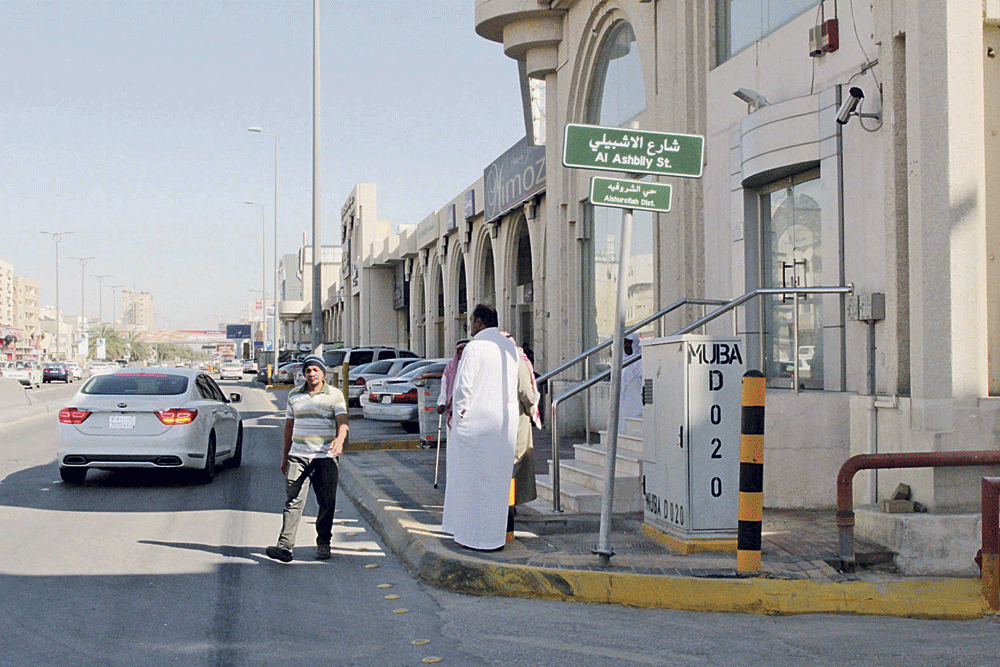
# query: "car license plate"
{"type": "Point", "coordinates": [122, 421]}
{"type": "Point", "coordinates": [386, 398]}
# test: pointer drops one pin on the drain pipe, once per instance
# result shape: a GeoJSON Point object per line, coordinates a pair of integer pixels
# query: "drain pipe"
{"type": "Point", "coordinates": [845, 484]}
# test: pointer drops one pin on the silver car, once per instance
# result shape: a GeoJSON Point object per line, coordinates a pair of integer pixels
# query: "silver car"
{"type": "Point", "coordinates": [149, 418]}
{"type": "Point", "coordinates": [396, 400]}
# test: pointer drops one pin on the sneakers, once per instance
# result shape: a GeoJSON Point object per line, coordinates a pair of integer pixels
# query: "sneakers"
{"type": "Point", "coordinates": [278, 553]}
{"type": "Point", "coordinates": [323, 552]}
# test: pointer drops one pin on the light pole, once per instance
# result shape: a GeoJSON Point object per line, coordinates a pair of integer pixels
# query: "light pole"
{"type": "Point", "coordinates": [114, 297]}
{"type": "Point", "coordinates": [100, 299]}
{"type": "Point", "coordinates": [263, 271]}
{"type": "Point", "coordinates": [83, 291]}
{"type": "Point", "coordinates": [276, 342]}
{"type": "Point", "coordinates": [57, 237]}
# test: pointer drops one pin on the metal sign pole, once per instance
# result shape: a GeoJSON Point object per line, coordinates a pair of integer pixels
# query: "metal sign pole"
{"type": "Point", "coordinates": [603, 550]}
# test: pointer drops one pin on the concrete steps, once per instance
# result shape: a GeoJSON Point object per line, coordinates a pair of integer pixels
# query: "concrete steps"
{"type": "Point", "coordinates": [581, 479]}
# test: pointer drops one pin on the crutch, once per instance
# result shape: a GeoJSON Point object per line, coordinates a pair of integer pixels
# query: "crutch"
{"type": "Point", "coordinates": [437, 455]}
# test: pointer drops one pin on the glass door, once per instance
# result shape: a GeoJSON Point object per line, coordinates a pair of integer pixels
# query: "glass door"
{"type": "Point", "coordinates": [792, 257]}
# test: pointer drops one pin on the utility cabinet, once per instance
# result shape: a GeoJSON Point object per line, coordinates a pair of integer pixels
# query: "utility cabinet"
{"type": "Point", "coordinates": [692, 396]}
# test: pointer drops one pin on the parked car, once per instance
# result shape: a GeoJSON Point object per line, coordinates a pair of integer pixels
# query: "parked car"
{"type": "Point", "coordinates": [60, 372]}
{"type": "Point", "coordinates": [250, 366]}
{"type": "Point", "coordinates": [357, 356]}
{"type": "Point", "coordinates": [395, 400]}
{"type": "Point", "coordinates": [27, 373]}
{"type": "Point", "coordinates": [75, 369]}
{"type": "Point", "coordinates": [102, 367]}
{"type": "Point", "coordinates": [359, 377]}
{"type": "Point", "coordinates": [286, 373]}
{"type": "Point", "coordinates": [149, 418]}
{"type": "Point", "coordinates": [231, 370]}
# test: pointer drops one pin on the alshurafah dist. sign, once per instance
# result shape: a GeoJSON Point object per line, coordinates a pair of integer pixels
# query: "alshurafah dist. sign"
{"type": "Point", "coordinates": [633, 151]}
{"type": "Point", "coordinates": [623, 193]}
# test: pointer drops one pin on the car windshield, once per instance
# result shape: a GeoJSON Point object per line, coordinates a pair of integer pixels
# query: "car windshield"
{"type": "Point", "coordinates": [414, 370]}
{"type": "Point", "coordinates": [137, 384]}
{"type": "Point", "coordinates": [334, 358]}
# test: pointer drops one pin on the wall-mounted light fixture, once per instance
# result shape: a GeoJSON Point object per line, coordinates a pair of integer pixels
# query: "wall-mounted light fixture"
{"type": "Point", "coordinates": [751, 97]}
{"type": "Point", "coordinates": [850, 107]}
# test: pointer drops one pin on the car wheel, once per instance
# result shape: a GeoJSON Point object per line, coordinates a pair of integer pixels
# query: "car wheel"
{"type": "Point", "coordinates": [237, 458]}
{"type": "Point", "coordinates": [411, 427]}
{"type": "Point", "coordinates": [73, 475]}
{"type": "Point", "coordinates": [207, 474]}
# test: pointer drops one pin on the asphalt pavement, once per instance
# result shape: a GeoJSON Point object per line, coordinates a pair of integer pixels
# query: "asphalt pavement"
{"type": "Point", "coordinates": [390, 478]}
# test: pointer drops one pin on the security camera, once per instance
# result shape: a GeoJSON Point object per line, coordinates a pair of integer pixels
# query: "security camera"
{"type": "Point", "coordinates": [850, 105]}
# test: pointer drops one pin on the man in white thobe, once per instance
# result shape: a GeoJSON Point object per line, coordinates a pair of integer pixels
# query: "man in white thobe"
{"type": "Point", "coordinates": [483, 437]}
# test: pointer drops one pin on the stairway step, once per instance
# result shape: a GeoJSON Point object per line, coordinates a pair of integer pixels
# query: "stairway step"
{"type": "Point", "coordinates": [576, 498]}
{"type": "Point", "coordinates": [625, 463]}
{"type": "Point", "coordinates": [632, 445]}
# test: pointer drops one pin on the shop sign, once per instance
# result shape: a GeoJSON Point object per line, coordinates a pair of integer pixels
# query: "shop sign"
{"type": "Point", "coordinates": [513, 178]}
{"type": "Point", "coordinates": [633, 151]}
{"type": "Point", "coordinates": [638, 195]}
{"type": "Point", "coordinates": [450, 222]}
{"type": "Point", "coordinates": [427, 231]}
{"type": "Point", "coordinates": [470, 204]}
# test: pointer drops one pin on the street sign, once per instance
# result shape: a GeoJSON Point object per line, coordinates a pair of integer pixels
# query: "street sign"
{"type": "Point", "coordinates": [269, 346]}
{"type": "Point", "coordinates": [638, 195]}
{"type": "Point", "coordinates": [633, 151]}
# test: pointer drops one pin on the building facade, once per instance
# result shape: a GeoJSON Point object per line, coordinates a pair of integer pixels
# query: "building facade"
{"type": "Point", "coordinates": [851, 145]}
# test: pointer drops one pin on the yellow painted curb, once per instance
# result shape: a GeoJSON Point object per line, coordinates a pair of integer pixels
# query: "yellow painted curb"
{"type": "Point", "coordinates": [954, 599]}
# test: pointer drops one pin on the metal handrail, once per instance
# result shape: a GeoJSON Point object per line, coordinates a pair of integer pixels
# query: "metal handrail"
{"type": "Point", "coordinates": [697, 324]}
{"type": "Point", "coordinates": [545, 377]}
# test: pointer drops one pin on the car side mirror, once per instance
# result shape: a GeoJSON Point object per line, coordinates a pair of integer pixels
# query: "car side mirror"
{"type": "Point", "coordinates": [235, 397]}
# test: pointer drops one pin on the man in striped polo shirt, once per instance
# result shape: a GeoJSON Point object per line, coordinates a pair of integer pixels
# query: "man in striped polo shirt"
{"type": "Point", "coordinates": [316, 427]}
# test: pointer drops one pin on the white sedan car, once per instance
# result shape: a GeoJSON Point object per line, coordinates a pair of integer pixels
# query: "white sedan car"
{"type": "Point", "coordinates": [150, 418]}
{"type": "Point", "coordinates": [231, 370]}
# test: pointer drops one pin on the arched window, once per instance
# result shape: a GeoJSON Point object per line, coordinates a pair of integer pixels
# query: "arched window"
{"type": "Point", "coordinates": [617, 93]}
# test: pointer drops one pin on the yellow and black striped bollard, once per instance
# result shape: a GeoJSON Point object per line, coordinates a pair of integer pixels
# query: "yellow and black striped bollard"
{"type": "Point", "coordinates": [751, 473]}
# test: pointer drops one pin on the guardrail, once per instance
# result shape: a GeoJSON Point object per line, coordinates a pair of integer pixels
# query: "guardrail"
{"type": "Point", "coordinates": [859, 462]}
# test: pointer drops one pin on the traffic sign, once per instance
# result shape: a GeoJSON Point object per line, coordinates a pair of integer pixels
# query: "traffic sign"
{"type": "Point", "coordinates": [633, 151]}
{"type": "Point", "coordinates": [269, 346]}
{"type": "Point", "coordinates": [622, 193]}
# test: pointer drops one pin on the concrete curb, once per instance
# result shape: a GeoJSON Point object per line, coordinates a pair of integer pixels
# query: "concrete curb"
{"type": "Point", "coordinates": [11, 416]}
{"type": "Point", "coordinates": [427, 560]}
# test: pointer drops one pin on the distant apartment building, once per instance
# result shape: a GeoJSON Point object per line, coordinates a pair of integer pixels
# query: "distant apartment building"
{"type": "Point", "coordinates": [137, 310]}
{"type": "Point", "coordinates": [6, 294]}
{"type": "Point", "coordinates": [26, 314]}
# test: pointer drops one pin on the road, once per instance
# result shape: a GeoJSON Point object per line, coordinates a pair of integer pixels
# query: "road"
{"type": "Point", "coordinates": [150, 569]}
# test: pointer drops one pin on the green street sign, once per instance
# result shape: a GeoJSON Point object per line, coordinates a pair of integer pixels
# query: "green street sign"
{"type": "Point", "coordinates": [639, 195]}
{"type": "Point", "coordinates": [633, 151]}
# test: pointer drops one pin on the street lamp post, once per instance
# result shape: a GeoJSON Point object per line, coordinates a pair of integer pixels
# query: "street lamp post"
{"type": "Point", "coordinates": [276, 339]}
{"type": "Point", "coordinates": [83, 291]}
{"type": "Point", "coordinates": [114, 297]}
{"type": "Point", "coordinates": [263, 270]}
{"type": "Point", "coordinates": [100, 299]}
{"type": "Point", "coordinates": [57, 237]}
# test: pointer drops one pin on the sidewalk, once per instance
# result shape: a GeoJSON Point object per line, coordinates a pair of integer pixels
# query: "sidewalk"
{"type": "Point", "coordinates": [551, 556]}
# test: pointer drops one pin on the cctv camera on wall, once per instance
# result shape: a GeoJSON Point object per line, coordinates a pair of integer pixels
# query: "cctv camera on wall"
{"type": "Point", "coordinates": [850, 106]}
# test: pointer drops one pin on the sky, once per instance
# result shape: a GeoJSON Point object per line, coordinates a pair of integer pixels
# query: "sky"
{"type": "Point", "coordinates": [126, 123]}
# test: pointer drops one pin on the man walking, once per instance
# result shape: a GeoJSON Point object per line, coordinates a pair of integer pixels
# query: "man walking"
{"type": "Point", "coordinates": [483, 436]}
{"type": "Point", "coordinates": [316, 427]}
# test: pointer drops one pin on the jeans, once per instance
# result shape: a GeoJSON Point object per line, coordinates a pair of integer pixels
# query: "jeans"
{"type": "Point", "coordinates": [322, 472]}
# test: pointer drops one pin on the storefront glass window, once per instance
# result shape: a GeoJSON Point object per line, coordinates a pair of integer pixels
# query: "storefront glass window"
{"type": "Point", "coordinates": [617, 93]}
{"type": "Point", "coordinates": [743, 22]}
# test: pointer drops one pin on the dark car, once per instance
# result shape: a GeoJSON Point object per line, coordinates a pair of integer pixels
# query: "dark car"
{"type": "Point", "coordinates": [60, 372]}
